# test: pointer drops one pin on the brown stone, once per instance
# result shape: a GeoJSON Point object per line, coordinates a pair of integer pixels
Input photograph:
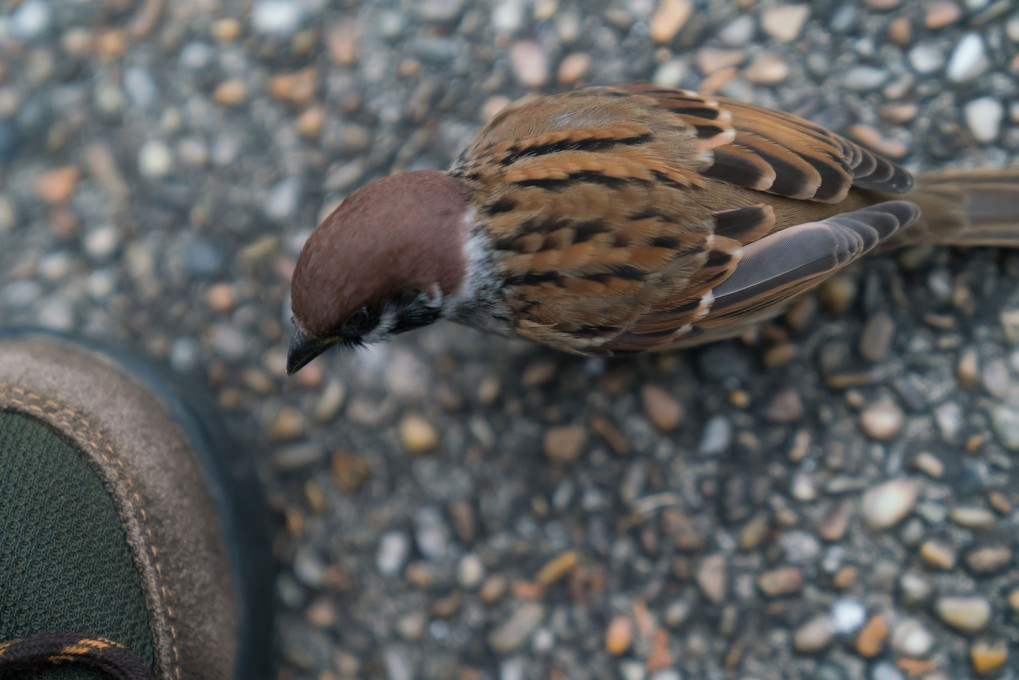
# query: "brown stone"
{"type": "Point", "coordinates": [558, 568]}
{"type": "Point", "coordinates": [669, 19]}
{"type": "Point", "coordinates": [58, 185]}
{"type": "Point", "coordinates": [565, 444]}
{"type": "Point", "coordinates": [619, 636]}
{"type": "Point", "coordinates": [661, 408]}
{"type": "Point", "coordinates": [781, 581]}
{"type": "Point", "coordinates": [872, 637]}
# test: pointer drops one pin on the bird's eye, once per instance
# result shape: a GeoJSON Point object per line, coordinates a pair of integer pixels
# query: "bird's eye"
{"type": "Point", "coordinates": [358, 321]}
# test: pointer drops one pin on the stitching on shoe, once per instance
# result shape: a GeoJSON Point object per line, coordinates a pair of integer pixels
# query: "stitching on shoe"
{"type": "Point", "coordinates": [93, 436]}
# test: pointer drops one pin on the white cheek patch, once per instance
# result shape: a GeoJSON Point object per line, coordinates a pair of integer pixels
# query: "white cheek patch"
{"type": "Point", "coordinates": [381, 332]}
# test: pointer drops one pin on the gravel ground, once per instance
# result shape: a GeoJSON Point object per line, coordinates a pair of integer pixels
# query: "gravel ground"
{"type": "Point", "coordinates": [835, 497]}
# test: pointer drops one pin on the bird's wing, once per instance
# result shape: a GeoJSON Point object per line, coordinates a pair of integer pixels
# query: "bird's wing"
{"type": "Point", "coordinates": [776, 152]}
{"type": "Point", "coordinates": [616, 212]}
{"type": "Point", "coordinates": [760, 277]}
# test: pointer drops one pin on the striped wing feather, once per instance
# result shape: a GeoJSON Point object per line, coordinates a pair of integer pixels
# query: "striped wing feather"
{"type": "Point", "coordinates": [597, 206]}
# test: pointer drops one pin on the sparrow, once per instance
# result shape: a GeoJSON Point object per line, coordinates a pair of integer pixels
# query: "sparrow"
{"type": "Point", "coordinates": [615, 220]}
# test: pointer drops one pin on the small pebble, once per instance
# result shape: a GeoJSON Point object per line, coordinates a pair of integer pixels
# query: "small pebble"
{"type": "Point", "coordinates": [900, 31]}
{"type": "Point", "coordinates": [938, 555]}
{"type": "Point", "coordinates": [884, 670]}
{"type": "Point", "coordinates": [972, 517]}
{"type": "Point", "coordinates": [911, 639]}
{"type": "Point", "coordinates": [102, 242]}
{"type": "Point", "coordinates": [508, 17]}
{"type": "Point", "coordinates": [397, 663]}
{"type": "Point", "coordinates": [669, 19]}
{"type": "Point", "coordinates": [989, 559]}
{"type": "Point", "coordinates": [847, 616]}
{"type": "Point", "coordinates": [940, 13]}
{"type": "Point", "coordinates": [929, 464]}
{"type": "Point", "coordinates": [877, 337]}
{"type": "Point", "coordinates": [1005, 422]}
{"type": "Point", "coordinates": [988, 657]}
{"type": "Point", "coordinates": [558, 568]}
{"type": "Point", "coordinates": [813, 636]}
{"type": "Point", "coordinates": [882, 420]}
{"type": "Point", "coordinates": [512, 633]}
{"type": "Point", "coordinates": [431, 533]}
{"type": "Point", "coordinates": [717, 436]}
{"type": "Point", "coordinates": [230, 93]}
{"type": "Point", "coordinates": [493, 589]}
{"type": "Point", "coordinates": [966, 614]}
{"type": "Point", "coordinates": [767, 69]}
{"type": "Point", "coordinates": [782, 581]}
{"type": "Point", "coordinates": [394, 548]}
{"type": "Point", "coordinates": [984, 117]}
{"type": "Point", "coordinates": [440, 10]}
{"type": "Point", "coordinates": [31, 20]}
{"type": "Point", "coordinates": [1013, 600]}
{"type": "Point", "coordinates": [874, 139]}
{"type": "Point", "coordinates": [530, 64]}
{"type": "Point", "coordinates": [872, 637]}
{"type": "Point", "coordinates": [470, 572]}
{"type": "Point", "coordinates": [738, 32]}
{"type": "Point", "coordinates": [785, 407]}
{"type": "Point", "coordinates": [712, 577]}
{"type": "Point", "coordinates": [155, 160]}
{"type": "Point", "coordinates": [418, 435]}
{"type": "Point", "coordinates": [886, 505]}
{"type": "Point", "coordinates": [288, 424]}
{"type": "Point", "coordinates": [915, 589]}
{"type": "Point", "coordinates": [283, 199]}
{"type": "Point", "coordinates": [412, 626]}
{"type": "Point", "coordinates": [670, 74]}
{"type": "Point", "coordinates": [898, 113]}
{"type": "Point", "coordinates": [565, 444]}
{"type": "Point", "coordinates": [58, 185]}
{"type": "Point", "coordinates": [277, 17]}
{"type": "Point", "coordinates": [864, 78]}
{"type": "Point", "coordinates": [619, 635]}
{"type": "Point", "coordinates": [968, 60]}
{"type": "Point", "coordinates": [350, 472]}
{"type": "Point", "coordinates": [663, 409]}
{"type": "Point", "coordinates": [785, 22]}
{"type": "Point", "coordinates": [573, 67]}
{"type": "Point", "coordinates": [710, 60]}
{"type": "Point", "coordinates": [995, 378]}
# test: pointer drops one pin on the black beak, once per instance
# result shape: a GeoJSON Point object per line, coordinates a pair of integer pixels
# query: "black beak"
{"type": "Point", "coordinates": [304, 348]}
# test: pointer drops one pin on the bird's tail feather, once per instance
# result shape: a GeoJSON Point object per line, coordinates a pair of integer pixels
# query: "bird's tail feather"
{"type": "Point", "coordinates": [967, 208]}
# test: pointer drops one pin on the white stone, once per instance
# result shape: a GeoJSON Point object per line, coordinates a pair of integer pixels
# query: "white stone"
{"type": "Point", "coordinates": [863, 78]}
{"type": "Point", "coordinates": [508, 16]}
{"type": "Point", "coordinates": [969, 59]}
{"type": "Point", "coordinates": [786, 21]}
{"type": "Point", "coordinates": [102, 242]}
{"type": "Point", "coordinates": [910, 638]}
{"type": "Point", "coordinates": [33, 19]}
{"type": "Point", "coordinates": [277, 17]}
{"type": "Point", "coordinates": [984, 116]}
{"type": "Point", "coordinates": [738, 32]}
{"type": "Point", "coordinates": [670, 73]}
{"type": "Point", "coordinates": [155, 159]}
{"type": "Point", "coordinates": [886, 505]}
{"type": "Point", "coordinates": [926, 58]}
{"type": "Point", "coordinates": [394, 547]}
{"type": "Point", "coordinates": [847, 616]}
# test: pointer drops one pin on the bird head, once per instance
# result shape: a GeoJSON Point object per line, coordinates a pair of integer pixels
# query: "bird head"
{"type": "Point", "coordinates": [384, 262]}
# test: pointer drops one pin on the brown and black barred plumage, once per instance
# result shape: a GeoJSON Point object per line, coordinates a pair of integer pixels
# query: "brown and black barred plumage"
{"type": "Point", "coordinates": [622, 219]}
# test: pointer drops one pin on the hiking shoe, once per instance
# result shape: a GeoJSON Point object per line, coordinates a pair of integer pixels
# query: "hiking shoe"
{"type": "Point", "coordinates": [133, 532]}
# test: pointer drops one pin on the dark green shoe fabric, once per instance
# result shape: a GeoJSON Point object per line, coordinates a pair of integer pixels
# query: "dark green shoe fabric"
{"type": "Point", "coordinates": [65, 564]}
